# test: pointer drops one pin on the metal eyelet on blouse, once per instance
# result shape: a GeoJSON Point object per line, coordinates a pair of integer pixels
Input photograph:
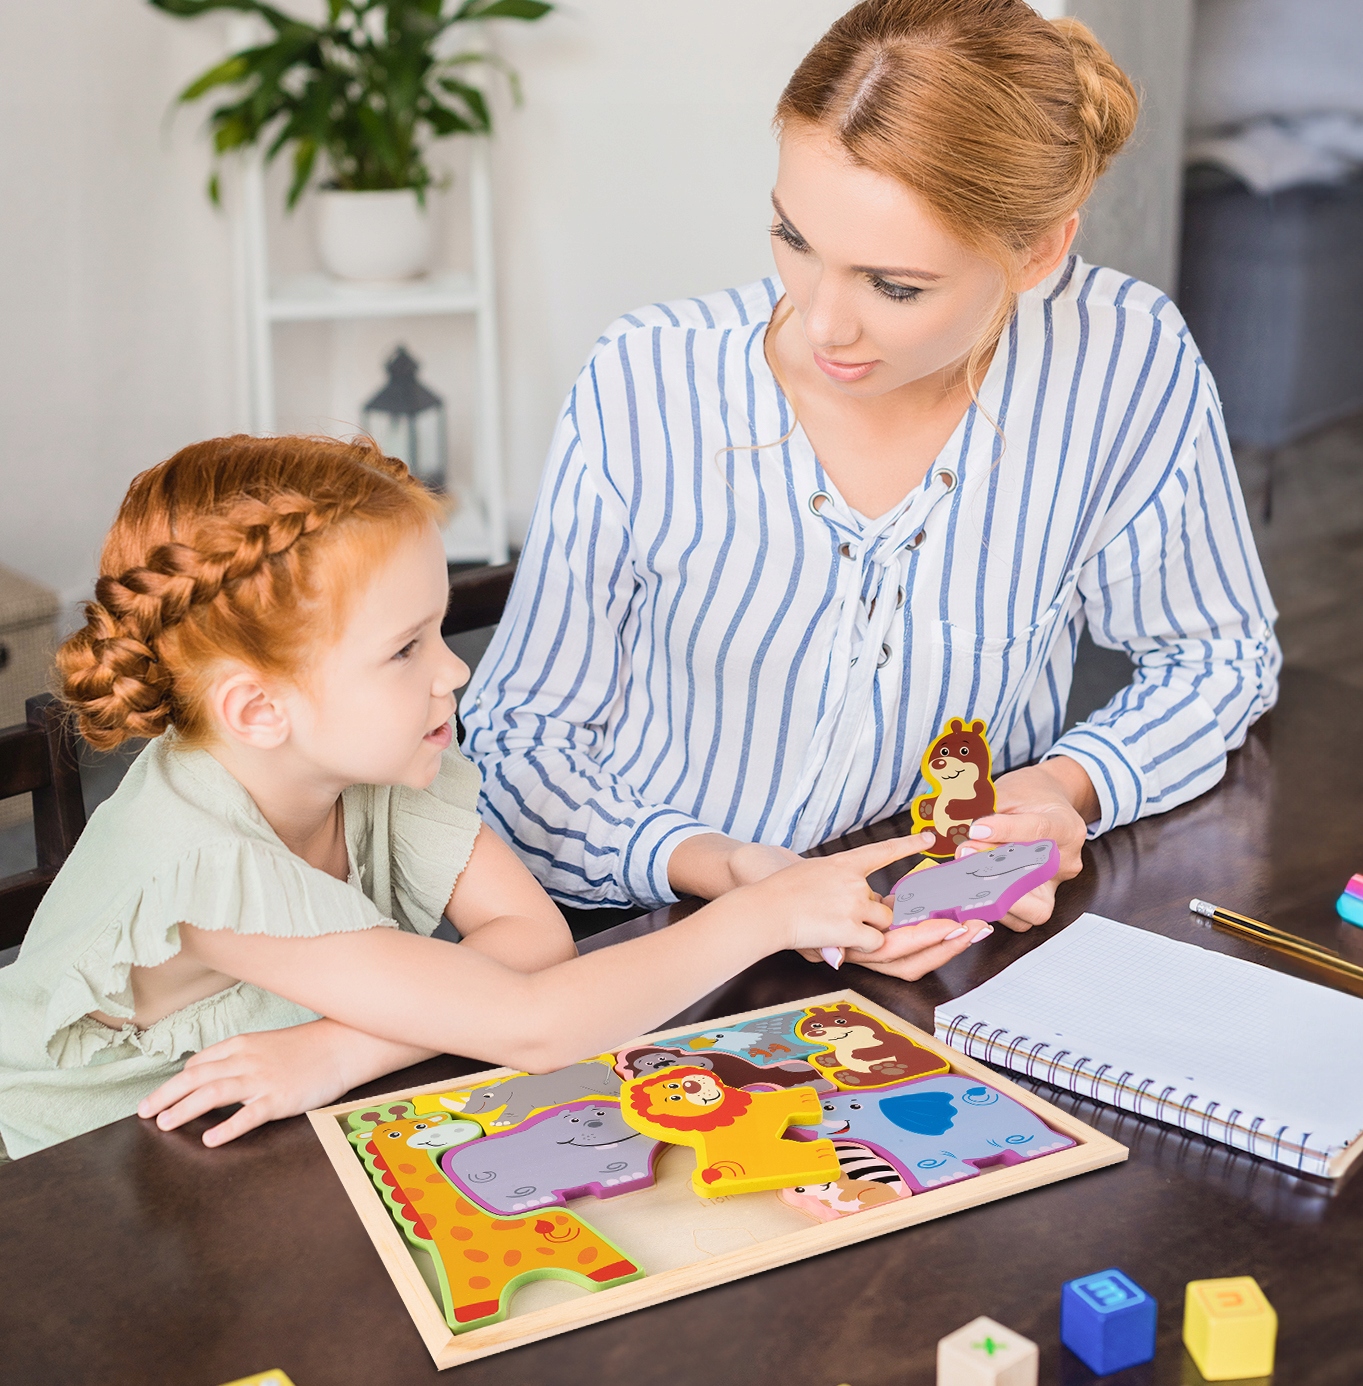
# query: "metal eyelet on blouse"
{"type": "Point", "coordinates": [847, 551]}
{"type": "Point", "coordinates": [898, 601]}
{"type": "Point", "coordinates": [948, 479]}
{"type": "Point", "coordinates": [884, 657]}
{"type": "Point", "coordinates": [817, 499]}
{"type": "Point", "coordinates": [918, 538]}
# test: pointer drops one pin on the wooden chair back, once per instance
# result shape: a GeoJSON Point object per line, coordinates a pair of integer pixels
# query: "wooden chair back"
{"type": "Point", "coordinates": [38, 757]}
{"type": "Point", "coordinates": [477, 598]}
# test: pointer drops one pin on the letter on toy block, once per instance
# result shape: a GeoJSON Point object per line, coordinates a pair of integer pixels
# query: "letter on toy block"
{"type": "Point", "coordinates": [1229, 1328]}
{"type": "Point", "coordinates": [1107, 1321]}
{"type": "Point", "coordinates": [737, 1135]}
{"type": "Point", "coordinates": [985, 1353]}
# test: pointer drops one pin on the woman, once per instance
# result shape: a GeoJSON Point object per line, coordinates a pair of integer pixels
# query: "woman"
{"type": "Point", "coordinates": [787, 530]}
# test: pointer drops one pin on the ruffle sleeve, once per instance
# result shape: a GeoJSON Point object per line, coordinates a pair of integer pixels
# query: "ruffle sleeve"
{"type": "Point", "coordinates": [249, 886]}
{"type": "Point", "coordinates": [432, 833]}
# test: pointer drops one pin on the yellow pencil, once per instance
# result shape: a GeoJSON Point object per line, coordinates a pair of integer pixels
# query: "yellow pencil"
{"type": "Point", "coordinates": [1266, 934]}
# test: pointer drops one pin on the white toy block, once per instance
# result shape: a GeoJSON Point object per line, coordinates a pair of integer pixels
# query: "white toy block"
{"type": "Point", "coordinates": [985, 1353]}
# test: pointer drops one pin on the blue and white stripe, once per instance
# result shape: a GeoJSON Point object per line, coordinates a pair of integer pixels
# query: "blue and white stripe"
{"type": "Point", "coordinates": [703, 636]}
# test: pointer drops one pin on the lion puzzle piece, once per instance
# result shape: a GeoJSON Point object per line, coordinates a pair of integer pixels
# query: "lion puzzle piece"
{"type": "Point", "coordinates": [499, 1106]}
{"type": "Point", "coordinates": [984, 885]}
{"type": "Point", "coordinates": [480, 1260]}
{"type": "Point", "coordinates": [957, 765]}
{"type": "Point", "coordinates": [863, 1053]}
{"type": "Point", "coordinates": [737, 1135]}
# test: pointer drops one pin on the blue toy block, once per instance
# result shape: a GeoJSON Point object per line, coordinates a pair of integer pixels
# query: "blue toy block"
{"type": "Point", "coordinates": [1107, 1321]}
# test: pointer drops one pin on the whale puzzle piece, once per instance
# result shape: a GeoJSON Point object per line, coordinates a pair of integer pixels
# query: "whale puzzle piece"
{"type": "Point", "coordinates": [984, 885]}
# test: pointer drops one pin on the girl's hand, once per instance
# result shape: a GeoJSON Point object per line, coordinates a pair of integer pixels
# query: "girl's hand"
{"type": "Point", "coordinates": [1054, 799]}
{"type": "Point", "coordinates": [273, 1073]}
{"type": "Point", "coordinates": [912, 951]}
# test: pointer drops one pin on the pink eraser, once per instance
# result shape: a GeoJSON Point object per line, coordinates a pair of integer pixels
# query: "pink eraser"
{"type": "Point", "coordinates": [1355, 886]}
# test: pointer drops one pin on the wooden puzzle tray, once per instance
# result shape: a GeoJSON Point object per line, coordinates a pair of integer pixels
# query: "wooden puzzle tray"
{"type": "Point", "coordinates": [608, 1251]}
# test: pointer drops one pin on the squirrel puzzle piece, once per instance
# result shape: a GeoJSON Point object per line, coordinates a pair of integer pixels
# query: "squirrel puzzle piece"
{"type": "Point", "coordinates": [737, 1135]}
{"type": "Point", "coordinates": [941, 1130]}
{"type": "Point", "coordinates": [957, 765]}
{"type": "Point", "coordinates": [866, 1181]}
{"type": "Point", "coordinates": [984, 885]}
{"type": "Point", "coordinates": [583, 1148]}
{"type": "Point", "coordinates": [480, 1260]}
{"type": "Point", "coordinates": [513, 1100]}
{"type": "Point", "coordinates": [861, 1052]}
{"type": "Point", "coordinates": [733, 1070]}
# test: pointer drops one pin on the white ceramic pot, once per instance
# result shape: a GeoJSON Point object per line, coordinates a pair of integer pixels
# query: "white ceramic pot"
{"type": "Point", "coordinates": [373, 235]}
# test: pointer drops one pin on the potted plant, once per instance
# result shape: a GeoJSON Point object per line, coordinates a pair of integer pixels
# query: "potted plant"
{"type": "Point", "coordinates": [356, 100]}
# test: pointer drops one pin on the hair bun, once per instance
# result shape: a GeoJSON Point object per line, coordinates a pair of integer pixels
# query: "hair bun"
{"type": "Point", "coordinates": [1107, 104]}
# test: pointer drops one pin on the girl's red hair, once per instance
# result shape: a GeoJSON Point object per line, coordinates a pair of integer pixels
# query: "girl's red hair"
{"type": "Point", "coordinates": [236, 549]}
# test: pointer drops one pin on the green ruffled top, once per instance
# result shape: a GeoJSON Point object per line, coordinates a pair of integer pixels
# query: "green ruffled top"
{"type": "Point", "coordinates": [182, 842]}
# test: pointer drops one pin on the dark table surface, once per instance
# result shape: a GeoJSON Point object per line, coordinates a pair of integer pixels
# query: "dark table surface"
{"type": "Point", "coordinates": [130, 1255]}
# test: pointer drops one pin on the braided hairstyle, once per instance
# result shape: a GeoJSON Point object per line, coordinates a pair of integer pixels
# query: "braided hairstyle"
{"type": "Point", "coordinates": [236, 549]}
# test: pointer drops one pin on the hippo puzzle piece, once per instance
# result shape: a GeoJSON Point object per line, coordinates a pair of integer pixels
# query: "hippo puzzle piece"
{"type": "Point", "coordinates": [737, 1135]}
{"type": "Point", "coordinates": [507, 1103]}
{"type": "Point", "coordinates": [984, 885]}
{"type": "Point", "coordinates": [480, 1260]}
{"type": "Point", "coordinates": [957, 765]}
{"type": "Point", "coordinates": [866, 1181]}
{"type": "Point", "coordinates": [941, 1130]}
{"type": "Point", "coordinates": [583, 1148]}
{"type": "Point", "coordinates": [860, 1052]}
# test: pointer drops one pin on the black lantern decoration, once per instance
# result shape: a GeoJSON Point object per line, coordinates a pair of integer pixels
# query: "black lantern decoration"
{"type": "Point", "coordinates": [407, 420]}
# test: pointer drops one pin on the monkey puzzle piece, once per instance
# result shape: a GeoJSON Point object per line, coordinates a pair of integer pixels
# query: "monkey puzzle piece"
{"type": "Point", "coordinates": [957, 765]}
{"type": "Point", "coordinates": [737, 1135]}
{"type": "Point", "coordinates": [480, 1260]}
{"type": "Point", "coordinates": [511, 1101]}
{"type": "Point", "coordinates": [860, 1052]}
{"type": "Point", "coordinates": [769, 1039]}
{"type": "Point", "coordinates": [866, 1180]}
{"type": "Point", "coordinates": [567, 1152]}
{"type": "Point", "coordinates": [733, 1070]}
{"type": "Point", "coordinates": [984, 885]}
{"type": "Point", "coordinates": [940, 1130]}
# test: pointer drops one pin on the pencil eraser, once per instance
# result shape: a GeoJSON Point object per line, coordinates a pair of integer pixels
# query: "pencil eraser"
{"type": "Point", "coordinates": [1229, 1328]}
{"type": "Point", "coordinates": [985, 1353]}
{"type": "Point", "coordinates": [1107, 1321]}
{"type": "Point", "coordinates": [1355, 886]}
{"type": "Point", "coordinates": [1349, 906]}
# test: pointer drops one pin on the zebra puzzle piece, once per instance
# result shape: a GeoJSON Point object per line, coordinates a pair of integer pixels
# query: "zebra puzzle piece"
{"type": "Point", "coordinates": [737, 1135]}
{"type": "Point", "coordinates": [866, 1180]}
{"type": "Point", "coordinates": [480, 1261]}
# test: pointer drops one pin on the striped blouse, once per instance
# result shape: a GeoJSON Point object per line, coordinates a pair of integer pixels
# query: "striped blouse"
{"type": "Point", "coordinates": [703, 636]}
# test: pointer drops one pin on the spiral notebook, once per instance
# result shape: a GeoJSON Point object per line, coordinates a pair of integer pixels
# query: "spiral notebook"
{"type": "Point", "coordinates": [1235, 1052]}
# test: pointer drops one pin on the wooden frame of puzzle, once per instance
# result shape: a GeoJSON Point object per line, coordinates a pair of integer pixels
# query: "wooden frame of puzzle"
{"type": "Point", "coordinates": [672, 1241]}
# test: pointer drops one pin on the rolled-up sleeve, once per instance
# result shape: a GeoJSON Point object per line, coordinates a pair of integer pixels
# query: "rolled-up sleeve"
{"type": "Point", "coordinates": [1181, 590]}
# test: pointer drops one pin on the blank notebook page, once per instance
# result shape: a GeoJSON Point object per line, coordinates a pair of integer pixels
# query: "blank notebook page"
{"type": "Point", "coordinates": [1202, 1023]}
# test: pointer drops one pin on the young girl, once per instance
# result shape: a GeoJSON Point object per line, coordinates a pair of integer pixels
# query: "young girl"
{"type": "Point", "coordinates": [260, 891]}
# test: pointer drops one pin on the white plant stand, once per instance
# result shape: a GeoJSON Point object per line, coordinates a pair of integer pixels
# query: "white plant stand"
{"type": "Point", "coordinates": [477, 531]}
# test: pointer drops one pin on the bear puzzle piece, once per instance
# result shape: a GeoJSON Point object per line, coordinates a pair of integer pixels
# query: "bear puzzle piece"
{"type": "Point", "coordinates": [567, 1152]}
{"type": "Point", "coordinates": [769, 1039]}
{"type": "Point", "coordinates": [1349, 906]}
{"type": "Point", "coordinates": [1229, 1328]}
{"type": "Point", "coordinates": [941, 1130]}
{"type": "Point", "coordinates": [733, 1070]}
{"type": "Point", "coordinates": [866, 1181]}
{"type": "Point", "coordinates": [737, 1135]}
{"type": "Point", "coordinates": [1107, 1321]}
{"type": "Point", "coordinates": [984, 885]}
{"type": "Point", "coordinates": [957, 765]}
{"type": "Point", "coordinates": [480, 1261]}
{"type": "Point", "coordinates": [513, 1100]}
{"type": "Point", "coordinates": [985, 1353]}
{"type": "Point", "coordinates": [860, 1052]}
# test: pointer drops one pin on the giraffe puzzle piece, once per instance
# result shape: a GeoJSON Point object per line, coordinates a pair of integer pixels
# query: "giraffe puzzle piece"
{"type": "Point", "coordinates": [860, 1052]}
{"type": "Point", "coordinates": [940, 1130]}
{"type": "Point", "coordinates": [512, 1100]}
{"type": "Point", "coordinates": [769, 1039]}
{"type": "Point", "coordinates": [480, 1260]}
{"type": "Point", "coordinates": [583, 1148]}
{"type": "Point", "coordinates": [957, 765]}
{"type": "Point", "coordinates": [984, 885]}
{"type": "Point", "coordinates": [737, 1135]}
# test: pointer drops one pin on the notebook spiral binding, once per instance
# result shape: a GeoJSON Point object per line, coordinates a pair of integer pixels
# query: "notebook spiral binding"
{"type": "Point", "coordinates": [1060, 1070]}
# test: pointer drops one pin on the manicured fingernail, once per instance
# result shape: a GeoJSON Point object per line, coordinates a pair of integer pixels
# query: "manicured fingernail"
{"type": "Point", "coordinates": [984, 933]}
{"type": "Point", "coordinates": [955, 933]}
{"type": "Point", "coordinates": [965, 850]}
{"type": "Point", "coordinates": [978, 830]}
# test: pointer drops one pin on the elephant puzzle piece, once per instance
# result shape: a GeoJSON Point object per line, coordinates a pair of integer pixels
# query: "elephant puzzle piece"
{"type": "Point", "coordinates": [984, 885]}
{"type": "Point", "coordinates": [511, 1101]}
{"type": "Point", "coordinates": [860, 1052]}
{"type": "Point", "coordinates": [768, 1039]}
{"type": "Point", "coordinates": [957, 765]}
{"type": "Point", "coordinates": [940, 1130]}
{"type": "Point", "coordinates": [737, 1135]}
{"type": "Point", "coordinates": [480, 1260]}
{"type": "Point", "coordinates": [866, 1180]}
{"type": "Point", "coordinates": [583, 1148]}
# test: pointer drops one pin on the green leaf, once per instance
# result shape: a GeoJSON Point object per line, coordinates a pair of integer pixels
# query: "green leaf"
{"type": "Point", "coordinates": [215, 189]}
{"type": "Point", "coordinates": [228, 73]}
{"type": "Point", "coordinates": [502, 9]}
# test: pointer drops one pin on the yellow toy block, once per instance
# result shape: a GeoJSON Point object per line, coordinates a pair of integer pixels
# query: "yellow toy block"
{"type": "Point", "coordinates": [274, 1378]}
{"type": "Point", "coordinates": [1229, 1328]}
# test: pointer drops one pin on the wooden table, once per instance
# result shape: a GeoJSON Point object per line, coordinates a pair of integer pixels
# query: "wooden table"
{"type": "Point", "coordinates": [133, 1256]}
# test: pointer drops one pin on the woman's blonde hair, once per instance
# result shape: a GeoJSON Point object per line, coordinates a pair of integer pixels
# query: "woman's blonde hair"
{"type": "Point", "coordinates": [237, 548]}
{"type": "Point", "coordinates": [1000, 120]}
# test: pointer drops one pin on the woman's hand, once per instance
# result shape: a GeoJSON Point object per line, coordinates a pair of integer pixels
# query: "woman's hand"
{"type": "Point", "coordinates": [1052, 800]}
{"type": "Point", "coordinates": [711, 864]}
{"type": "Point", "coordinates": [273, 1074]}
